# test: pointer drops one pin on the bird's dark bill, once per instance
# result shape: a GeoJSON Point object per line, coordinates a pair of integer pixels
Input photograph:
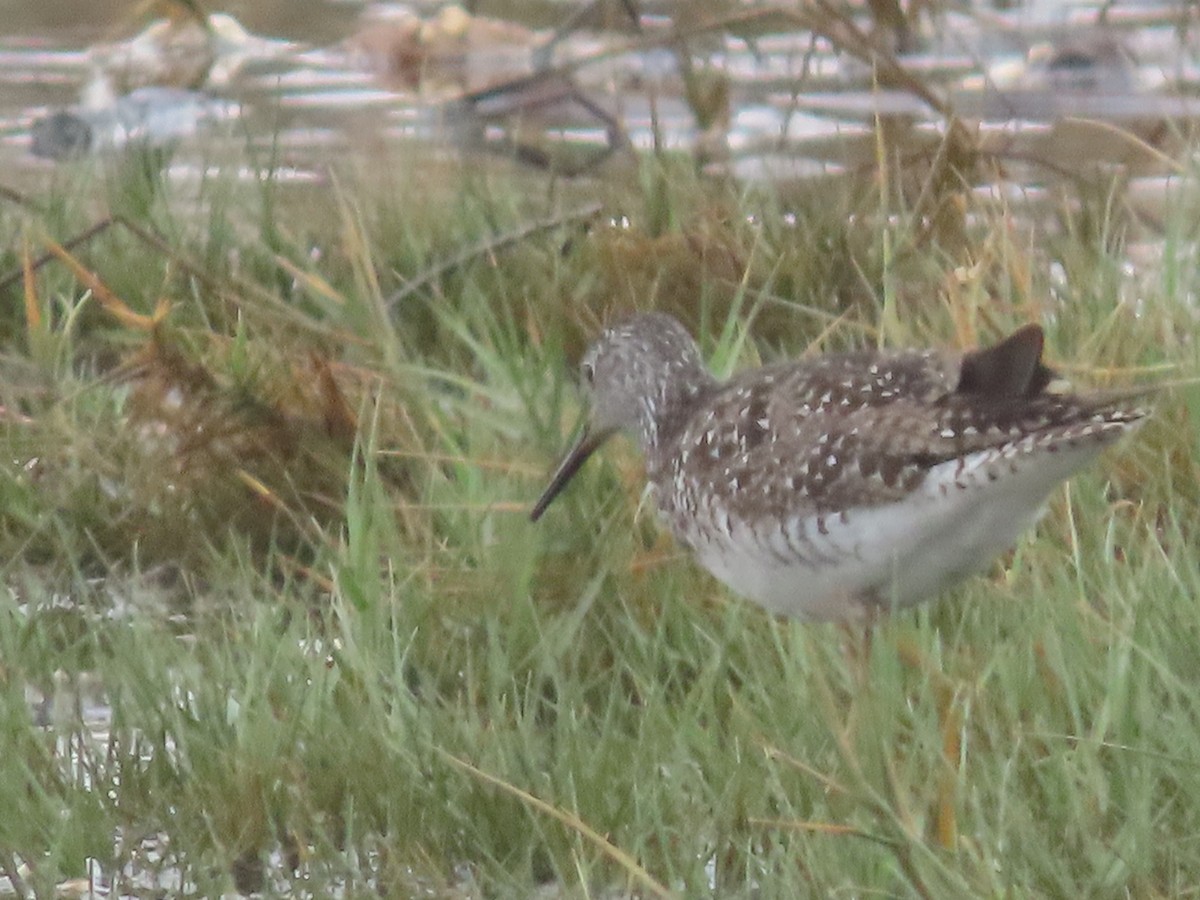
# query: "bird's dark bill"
{"type": "Point", "coordinates": [585, 445]}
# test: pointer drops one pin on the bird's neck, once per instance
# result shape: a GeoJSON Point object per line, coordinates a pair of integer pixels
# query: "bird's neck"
{"type": "Point", "coordinates": [664, 411]}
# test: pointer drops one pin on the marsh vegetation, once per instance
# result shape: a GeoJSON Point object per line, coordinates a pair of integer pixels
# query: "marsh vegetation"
{"type": "Point", "coordinates": [275, 619]}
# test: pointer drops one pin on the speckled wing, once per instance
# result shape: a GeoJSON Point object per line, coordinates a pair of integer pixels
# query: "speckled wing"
{"type": "Point", "coordinates": [864, 429]}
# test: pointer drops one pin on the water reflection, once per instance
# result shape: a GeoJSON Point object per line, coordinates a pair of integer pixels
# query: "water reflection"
{"type": "Point", "coordinates": [757, 93]}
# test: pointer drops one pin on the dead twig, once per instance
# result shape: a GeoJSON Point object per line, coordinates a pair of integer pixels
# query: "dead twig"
{"type": "Point", "coordinates": [526, 93]}
{"type": "Point", "coordinates": [15, 196]}
{"type": "Point", "coordinates": [487, 247]}
{"type": "Point", "coordinates": [21, 271]}
{"type": "Point", "coordinates": [143, 234]}
{"type": "Point", "coordinates": [840, 29]}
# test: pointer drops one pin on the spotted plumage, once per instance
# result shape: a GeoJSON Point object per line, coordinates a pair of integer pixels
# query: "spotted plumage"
{"type": "Point", "coordinates": [831, 487]}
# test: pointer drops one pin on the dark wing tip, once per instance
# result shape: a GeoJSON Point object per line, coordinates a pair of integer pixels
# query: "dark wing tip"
{"type": "Point", "coordinates": [1009, 370]}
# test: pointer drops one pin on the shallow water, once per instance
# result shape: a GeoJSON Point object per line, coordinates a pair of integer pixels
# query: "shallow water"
{"type": "Point", "coordinates": [782, 104]}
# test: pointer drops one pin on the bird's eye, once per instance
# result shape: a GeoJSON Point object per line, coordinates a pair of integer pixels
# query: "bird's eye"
{"type": "Point", "coordinates": [589, 373]}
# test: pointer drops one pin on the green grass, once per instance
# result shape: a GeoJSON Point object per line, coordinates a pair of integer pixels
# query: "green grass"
{"type": "Point", "coordinates": [330, 637]}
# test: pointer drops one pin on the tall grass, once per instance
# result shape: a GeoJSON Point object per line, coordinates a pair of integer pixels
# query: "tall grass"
{"type": "Point", "coordinates": [339, 658]}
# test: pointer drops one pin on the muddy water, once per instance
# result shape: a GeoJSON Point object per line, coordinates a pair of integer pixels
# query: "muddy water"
{"type": "Point", "coordinates": [322, 82]}
{"type": "Point", "coordinates": [765, 100]}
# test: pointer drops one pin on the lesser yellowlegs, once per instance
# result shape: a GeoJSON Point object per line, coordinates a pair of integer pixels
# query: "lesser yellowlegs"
{"type": "Point", "coordinates": [837, 487]}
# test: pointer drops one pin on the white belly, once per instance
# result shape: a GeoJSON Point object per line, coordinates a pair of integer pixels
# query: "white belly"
{"type": "Point", "coordinates": [952, 525]}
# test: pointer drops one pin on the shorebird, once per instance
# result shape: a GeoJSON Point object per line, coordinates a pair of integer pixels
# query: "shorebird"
{"type": "Point", "coordinates": [850, 484]}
